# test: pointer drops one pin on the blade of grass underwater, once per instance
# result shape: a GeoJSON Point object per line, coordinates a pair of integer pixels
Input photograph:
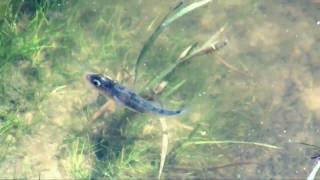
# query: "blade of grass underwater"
{"type": "Point", "coordinates": [6, 127]}
{"type": "Point", "coordinates": [306, 144]}
{"type": "Point", "coordinates": [162, 74]}
{"type": "Point", "coordinates": [173, 152]}
{"type": "Point", "coordinates": [314, 171]}
{"type": "Point", "coordinates": [165, 142]}
{"type": "Point", "coordinates": [177, 12]}
{"type": "Point", "coordinates": [173, 89]}
{"type": "Point", "coordinates": [230, 142]}
{"type": "Point", "coordinates": [184, 11]}
{"type": "Point", "coordinates": [188, 51]}
{"type": "Point", "coordinates": [151, 40]}
{"type": "Point", "coordinates": [188, 54]}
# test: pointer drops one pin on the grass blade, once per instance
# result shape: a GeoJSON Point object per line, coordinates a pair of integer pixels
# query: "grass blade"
{"type": "Point", "coordinates": [162, 75]}
{"type": "Point", "coordinates": [177, 12]}
{"type": "Point", "coordinates": [173, 89]}
{"type": "Point", "coordinates": [230, 142]}
{"type": "Point", "coordinates": [165, 142]}
{"type": "Point", "coordinates": [189, 53]}
{"type": "Point", "coordinates": [314, 171]}
{"type": "Point", "coordinates": [151, 40]}
{"type": "Point", "coordinates": [184, 11]}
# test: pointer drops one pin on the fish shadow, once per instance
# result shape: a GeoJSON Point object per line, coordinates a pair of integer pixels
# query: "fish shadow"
{"type": "Point", "coordinates": [110, 138]}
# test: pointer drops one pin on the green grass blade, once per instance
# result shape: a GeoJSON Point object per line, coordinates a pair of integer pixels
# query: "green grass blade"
{"type": "Point", "coordinates": [230, 142]}
{"type": "Point", "coordinates": [164, 146]}
{"type": "Point", "coordinates": [314, 171]}
{"type": "Point", "coordinates": [173, 89]}
{"type": "Point", "coordinates": [183, 58]}
{"type": "Point", "coordinates": [161, 76]}
{"type": "Point", "coordinates": [150, 41]}
{"type": "Point", "coordinates": [188, 51]}
{"type": "Point", "coordinates": [184, 11]}
{"type": "Point", "coordinates": [177, 12]}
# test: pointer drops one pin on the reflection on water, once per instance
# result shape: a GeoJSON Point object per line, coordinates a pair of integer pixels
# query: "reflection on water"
{"type": "Point", "coordinates": [263, 87]}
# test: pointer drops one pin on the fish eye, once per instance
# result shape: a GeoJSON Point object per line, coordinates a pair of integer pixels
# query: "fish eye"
{"type": "Point", "coordinates": [96, 83]}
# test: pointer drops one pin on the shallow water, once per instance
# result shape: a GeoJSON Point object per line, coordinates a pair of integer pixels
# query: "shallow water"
{"type": "Point", "coordinates": [262, 87]}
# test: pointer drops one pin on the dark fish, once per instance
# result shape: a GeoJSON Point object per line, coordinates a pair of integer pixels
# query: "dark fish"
{"type": "Point", "coordinates": [316, 156]}
{"type": "Point", "coordinates": [126, 97]}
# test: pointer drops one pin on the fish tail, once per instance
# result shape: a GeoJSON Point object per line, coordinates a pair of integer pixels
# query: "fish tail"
{"type": "Point", "coordinates": [166, 112]}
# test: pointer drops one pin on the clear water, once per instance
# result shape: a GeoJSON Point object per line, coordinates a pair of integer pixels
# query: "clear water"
{"type": "Point", "coordinates": [262, 87]}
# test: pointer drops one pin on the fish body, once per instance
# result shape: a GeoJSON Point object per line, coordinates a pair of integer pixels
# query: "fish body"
{"type": "Point", "coordinates": [127, 98]}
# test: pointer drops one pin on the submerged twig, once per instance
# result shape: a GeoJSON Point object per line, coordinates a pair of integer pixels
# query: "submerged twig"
{"type": "Point", "coordinates": [109, 106]}
{"type": "Point", "coordinates": [229, 66]}
{"type": "Point", "coordinates": [209, 46]}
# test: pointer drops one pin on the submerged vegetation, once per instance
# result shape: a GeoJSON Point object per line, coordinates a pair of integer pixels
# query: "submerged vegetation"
{"type": "Point", "coordinates": [46, 110]}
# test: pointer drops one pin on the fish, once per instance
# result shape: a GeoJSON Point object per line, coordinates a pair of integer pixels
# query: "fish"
{"type": "Point", "coordinates": [127, 97]}
{"type": "Point", "coordinates": [316, 156]}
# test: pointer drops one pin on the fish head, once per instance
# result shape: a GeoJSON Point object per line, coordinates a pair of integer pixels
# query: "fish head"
{"type": "Point", "coordinates": [100, 82]}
